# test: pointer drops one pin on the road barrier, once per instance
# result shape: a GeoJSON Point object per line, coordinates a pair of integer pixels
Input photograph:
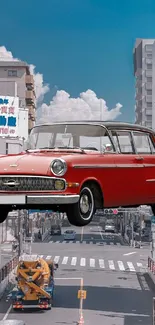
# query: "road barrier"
{"type": "Point", "coordinates": [6, 272]}
{"type": "Point", "coordinates": [151, 265]}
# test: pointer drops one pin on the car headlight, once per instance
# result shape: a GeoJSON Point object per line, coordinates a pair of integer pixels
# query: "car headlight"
{"type": "Point", "coordinates": [58, 167]}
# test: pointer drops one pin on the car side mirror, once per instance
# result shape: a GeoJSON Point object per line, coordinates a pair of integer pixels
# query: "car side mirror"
{"type": "Point", "coordinates": [107, 147]}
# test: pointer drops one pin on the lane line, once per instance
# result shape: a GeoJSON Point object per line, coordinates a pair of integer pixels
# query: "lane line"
{"type": "Point", "coordinates": [139, 264]}
{"type": "Point", "coordinates": [7, 313]}
{"type": "Point", "coordinates": [101, 264]}
{"type": "Point", "coordinates": [48, 257]}
{"type": "Point", "coordinates": [101, 233]}
{"type": "Point", "coordinates": [131, 253]}
{"type": "Point", "coordinates": [131, 267]}
{"type": "Point", "coordinates": [83, 262]}
{"type": "Point", "coordinates": [111, 265]}
{"type": "Point", "coordinates": [56, 259]}
{"type": "Point", "coordinates": [65, 260]}
{"type": "Point", "coordinates": [92, 262]}
{"type": "Point", "coordinates": [73, 261]}
{"type": "Point", "coordinates": [121, 266]}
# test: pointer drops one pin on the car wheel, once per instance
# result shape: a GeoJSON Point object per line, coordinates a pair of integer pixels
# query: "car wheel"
{"type": "Point", "coordinates": [81, 213]}
{"type": "Point", "coordinates": [4, 213]}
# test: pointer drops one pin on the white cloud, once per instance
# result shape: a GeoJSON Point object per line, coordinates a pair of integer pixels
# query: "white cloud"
{"type": "Point", "coordinates": [62, 107]}
{"type": "Point", "coordinates": [40, 88]}
{"type": "Point", "coordinates": [86, 107]}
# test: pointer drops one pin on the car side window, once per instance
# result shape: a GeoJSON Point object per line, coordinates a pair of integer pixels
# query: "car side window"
{"type": "Point", "coordinates": [123, 141]}
{"type": "Point", "coordinates": [142, 142]}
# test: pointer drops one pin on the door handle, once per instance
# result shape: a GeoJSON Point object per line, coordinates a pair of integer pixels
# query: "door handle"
{"type": "Point", "coordinates": [139, 158]}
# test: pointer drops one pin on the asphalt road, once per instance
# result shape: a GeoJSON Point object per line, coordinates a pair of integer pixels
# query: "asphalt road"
{"type": "Point", "coordinates": [118, 290]}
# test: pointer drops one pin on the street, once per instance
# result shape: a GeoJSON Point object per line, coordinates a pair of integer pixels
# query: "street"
{"type": "Point", "coordinates": [118, 291]}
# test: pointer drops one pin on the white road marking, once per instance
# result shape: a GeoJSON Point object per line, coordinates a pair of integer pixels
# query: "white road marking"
{"type": "Point", "coordinates": [91, 242]}
{"type": "Point", "coordinates": [7, 313]}
{"type": "Point", "coordinates": [92, 262]}
{"type": "Point", "coordinates": [100, 233]}
{"type": "Point", "coordinates": [84, 242]}
{"type": "Point", "coordinates": [131, 267]}
{"type": "Point", "coordinates": [77, 242]}
{"type": "Point", "coordinates": [83, 262]}
{"type": "Point", "coordinates": [57, 242]}
{"type": "Point", "coordinates": [111, 243]}
{"type": "Point", "coordinates": [111, 265]}
{"type": "Point", "coordinates": [48, 257]}
{"type": "Point", "coordinates": [41, 256]}
{"type": "Point", "coordinates": [131, 253]}
{"type": "Point", "coordinates": [139, 264]}
{"type": "Point", "coordinates": [56, 259]}
{"type": "Point", "coordinates": [74, 260]}
{"type": "Point", "coordinates": [121, 266]}
{"type": "Point", "coordinates": [101, 264]}
{"type": "Point", "coordinates": [65, 260]}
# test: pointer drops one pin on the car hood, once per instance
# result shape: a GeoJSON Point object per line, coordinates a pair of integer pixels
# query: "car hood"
{"type": "Point", "coordinates": [37, 164]}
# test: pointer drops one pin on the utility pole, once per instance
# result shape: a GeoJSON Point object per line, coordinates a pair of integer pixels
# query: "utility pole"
{"type": "Point", "coordinates": [19, 233]}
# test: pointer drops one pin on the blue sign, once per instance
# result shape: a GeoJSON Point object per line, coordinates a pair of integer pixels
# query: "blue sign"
{"type": "Point", "coordinates": [4, 101]}
{"type": "Point", "coordinates": [10, 121]}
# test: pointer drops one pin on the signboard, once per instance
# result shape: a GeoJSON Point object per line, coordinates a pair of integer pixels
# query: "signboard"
{"type": "Point", "coordinates": [9, 110]}
{"type": "Point", "coordinates": [82, 294]}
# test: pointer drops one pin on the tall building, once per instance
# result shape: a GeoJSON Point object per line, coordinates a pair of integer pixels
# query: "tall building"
{"type": "Point", "coordinates": [16, 80]}
{"type": "Point", "coordinates": [144, 71]}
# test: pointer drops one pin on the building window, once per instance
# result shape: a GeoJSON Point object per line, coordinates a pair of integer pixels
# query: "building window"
{"type": "Point", "coordinates": [149, 118]}
{"type": "Point", "coordinates": [149, 79]}
{"type": "Point", "coordinates": [149, 55]}
{"type": "Point", "coordinates": [149, 105]}
{"type": "Point", "coordinates": [149, 66]}
{"type": "Point", "coordinates": [149, 92]}
{"type": "Point", "coordinates": [12, 73]}
{"type": "Point", "coordinates": [148, 48]}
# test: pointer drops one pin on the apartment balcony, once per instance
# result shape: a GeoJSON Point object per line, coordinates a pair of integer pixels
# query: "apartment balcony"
{"type": "Point", "coordinates": [29, 80]}
{"type": "Point", "coordinates": [148, 111]}
{"type": "Point", "coordinates": [148, 61]}
{"type": "Point", "coordinates": [148, 73]}
{"type": "Point", "coordinates": [148, 86]}
{"type": "Point", "coordinates": [30, 97]}
{"type": "Point", "coordinates": [148, 98]}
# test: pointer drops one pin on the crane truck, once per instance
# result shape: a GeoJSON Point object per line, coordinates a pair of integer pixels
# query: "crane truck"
{"type": "Point", "coordinates": [35, 283]}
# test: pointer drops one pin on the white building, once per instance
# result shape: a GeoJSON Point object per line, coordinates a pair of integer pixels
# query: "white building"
{"type": "Point", "coordinates": [144, 71]}
{"type": "Point", "coordinates": [13, 125]}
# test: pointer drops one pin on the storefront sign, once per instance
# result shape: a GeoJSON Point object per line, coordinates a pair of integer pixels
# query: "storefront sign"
{"type": "Point", "coordinates": [9, 108]}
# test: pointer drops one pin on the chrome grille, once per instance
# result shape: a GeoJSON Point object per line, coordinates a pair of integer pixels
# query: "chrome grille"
{"type": "Point", "coordinates": [27, 183]}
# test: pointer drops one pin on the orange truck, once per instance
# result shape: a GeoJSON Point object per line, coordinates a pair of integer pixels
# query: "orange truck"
{"type": "Point", "coordinates": [35, 283]}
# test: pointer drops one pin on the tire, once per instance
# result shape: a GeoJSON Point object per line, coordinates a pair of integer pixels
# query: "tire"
{"type": "Point", "coordinates": [82, 216]}
{"type": "Point", "coordinates": [4, 213]}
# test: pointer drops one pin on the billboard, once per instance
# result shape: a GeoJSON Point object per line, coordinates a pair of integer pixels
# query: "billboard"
{"type": "Point", "coordinates": [9, 109]}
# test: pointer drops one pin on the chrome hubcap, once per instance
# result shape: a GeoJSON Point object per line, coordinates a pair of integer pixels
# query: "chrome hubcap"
{"type": "Point", "coordinates": [84, 204]}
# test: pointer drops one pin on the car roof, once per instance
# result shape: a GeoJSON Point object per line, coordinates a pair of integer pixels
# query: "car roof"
{"type": "Point", "coordinates": [12, 322]}
{"type": "Point", "coordinates": [107, 124]}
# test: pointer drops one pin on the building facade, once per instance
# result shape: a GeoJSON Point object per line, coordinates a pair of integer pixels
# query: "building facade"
{"type": "Point", "coordinates": [16, 80]}
{"type": "Point", "coordinates": [144, 72]}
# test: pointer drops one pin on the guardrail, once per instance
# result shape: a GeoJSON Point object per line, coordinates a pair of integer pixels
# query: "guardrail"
{"type": "Point", "coordinates": [5, 273]}
{"type": "Point", "coordinates": [151, 265]}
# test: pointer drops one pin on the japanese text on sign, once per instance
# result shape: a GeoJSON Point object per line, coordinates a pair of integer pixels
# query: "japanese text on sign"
{"type": "Point", "coordinates": [8, 116]}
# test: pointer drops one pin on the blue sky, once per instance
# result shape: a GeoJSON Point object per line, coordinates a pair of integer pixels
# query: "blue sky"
{"type": "Point", "coordinates": [80, 44]}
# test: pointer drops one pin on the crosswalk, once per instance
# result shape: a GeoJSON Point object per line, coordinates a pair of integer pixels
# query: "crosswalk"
{"type": "Point", "coordinates": [94, 242]}
{"type": "Point", "coordinates": [97, 263]}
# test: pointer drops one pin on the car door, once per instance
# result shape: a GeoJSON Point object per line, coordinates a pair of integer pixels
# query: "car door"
{"type": "Point", "coordinates": [146, 149]}
{"type": "Point", "coordinates": [129, 170]}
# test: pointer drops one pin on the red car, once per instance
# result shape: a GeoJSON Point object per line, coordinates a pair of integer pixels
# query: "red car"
{"type": "Point", "coordinates": [78, 167]}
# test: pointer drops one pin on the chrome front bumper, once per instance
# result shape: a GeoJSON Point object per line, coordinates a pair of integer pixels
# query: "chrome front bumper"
{"type": "Point", "coordinates": [18, 199]}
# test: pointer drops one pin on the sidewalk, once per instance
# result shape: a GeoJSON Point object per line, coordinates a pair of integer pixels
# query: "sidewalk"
{"type": "Point", "coordinates": [6, 253]}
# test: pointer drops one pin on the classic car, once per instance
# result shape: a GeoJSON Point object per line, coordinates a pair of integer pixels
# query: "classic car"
{"type": "Point", "coordinates": [78, 167]}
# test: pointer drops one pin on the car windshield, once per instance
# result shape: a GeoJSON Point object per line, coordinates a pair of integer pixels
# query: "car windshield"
{"type": "Point", "coordinates": [90, 137]}
{"type": "Point", "coordinates": [69, 232]}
